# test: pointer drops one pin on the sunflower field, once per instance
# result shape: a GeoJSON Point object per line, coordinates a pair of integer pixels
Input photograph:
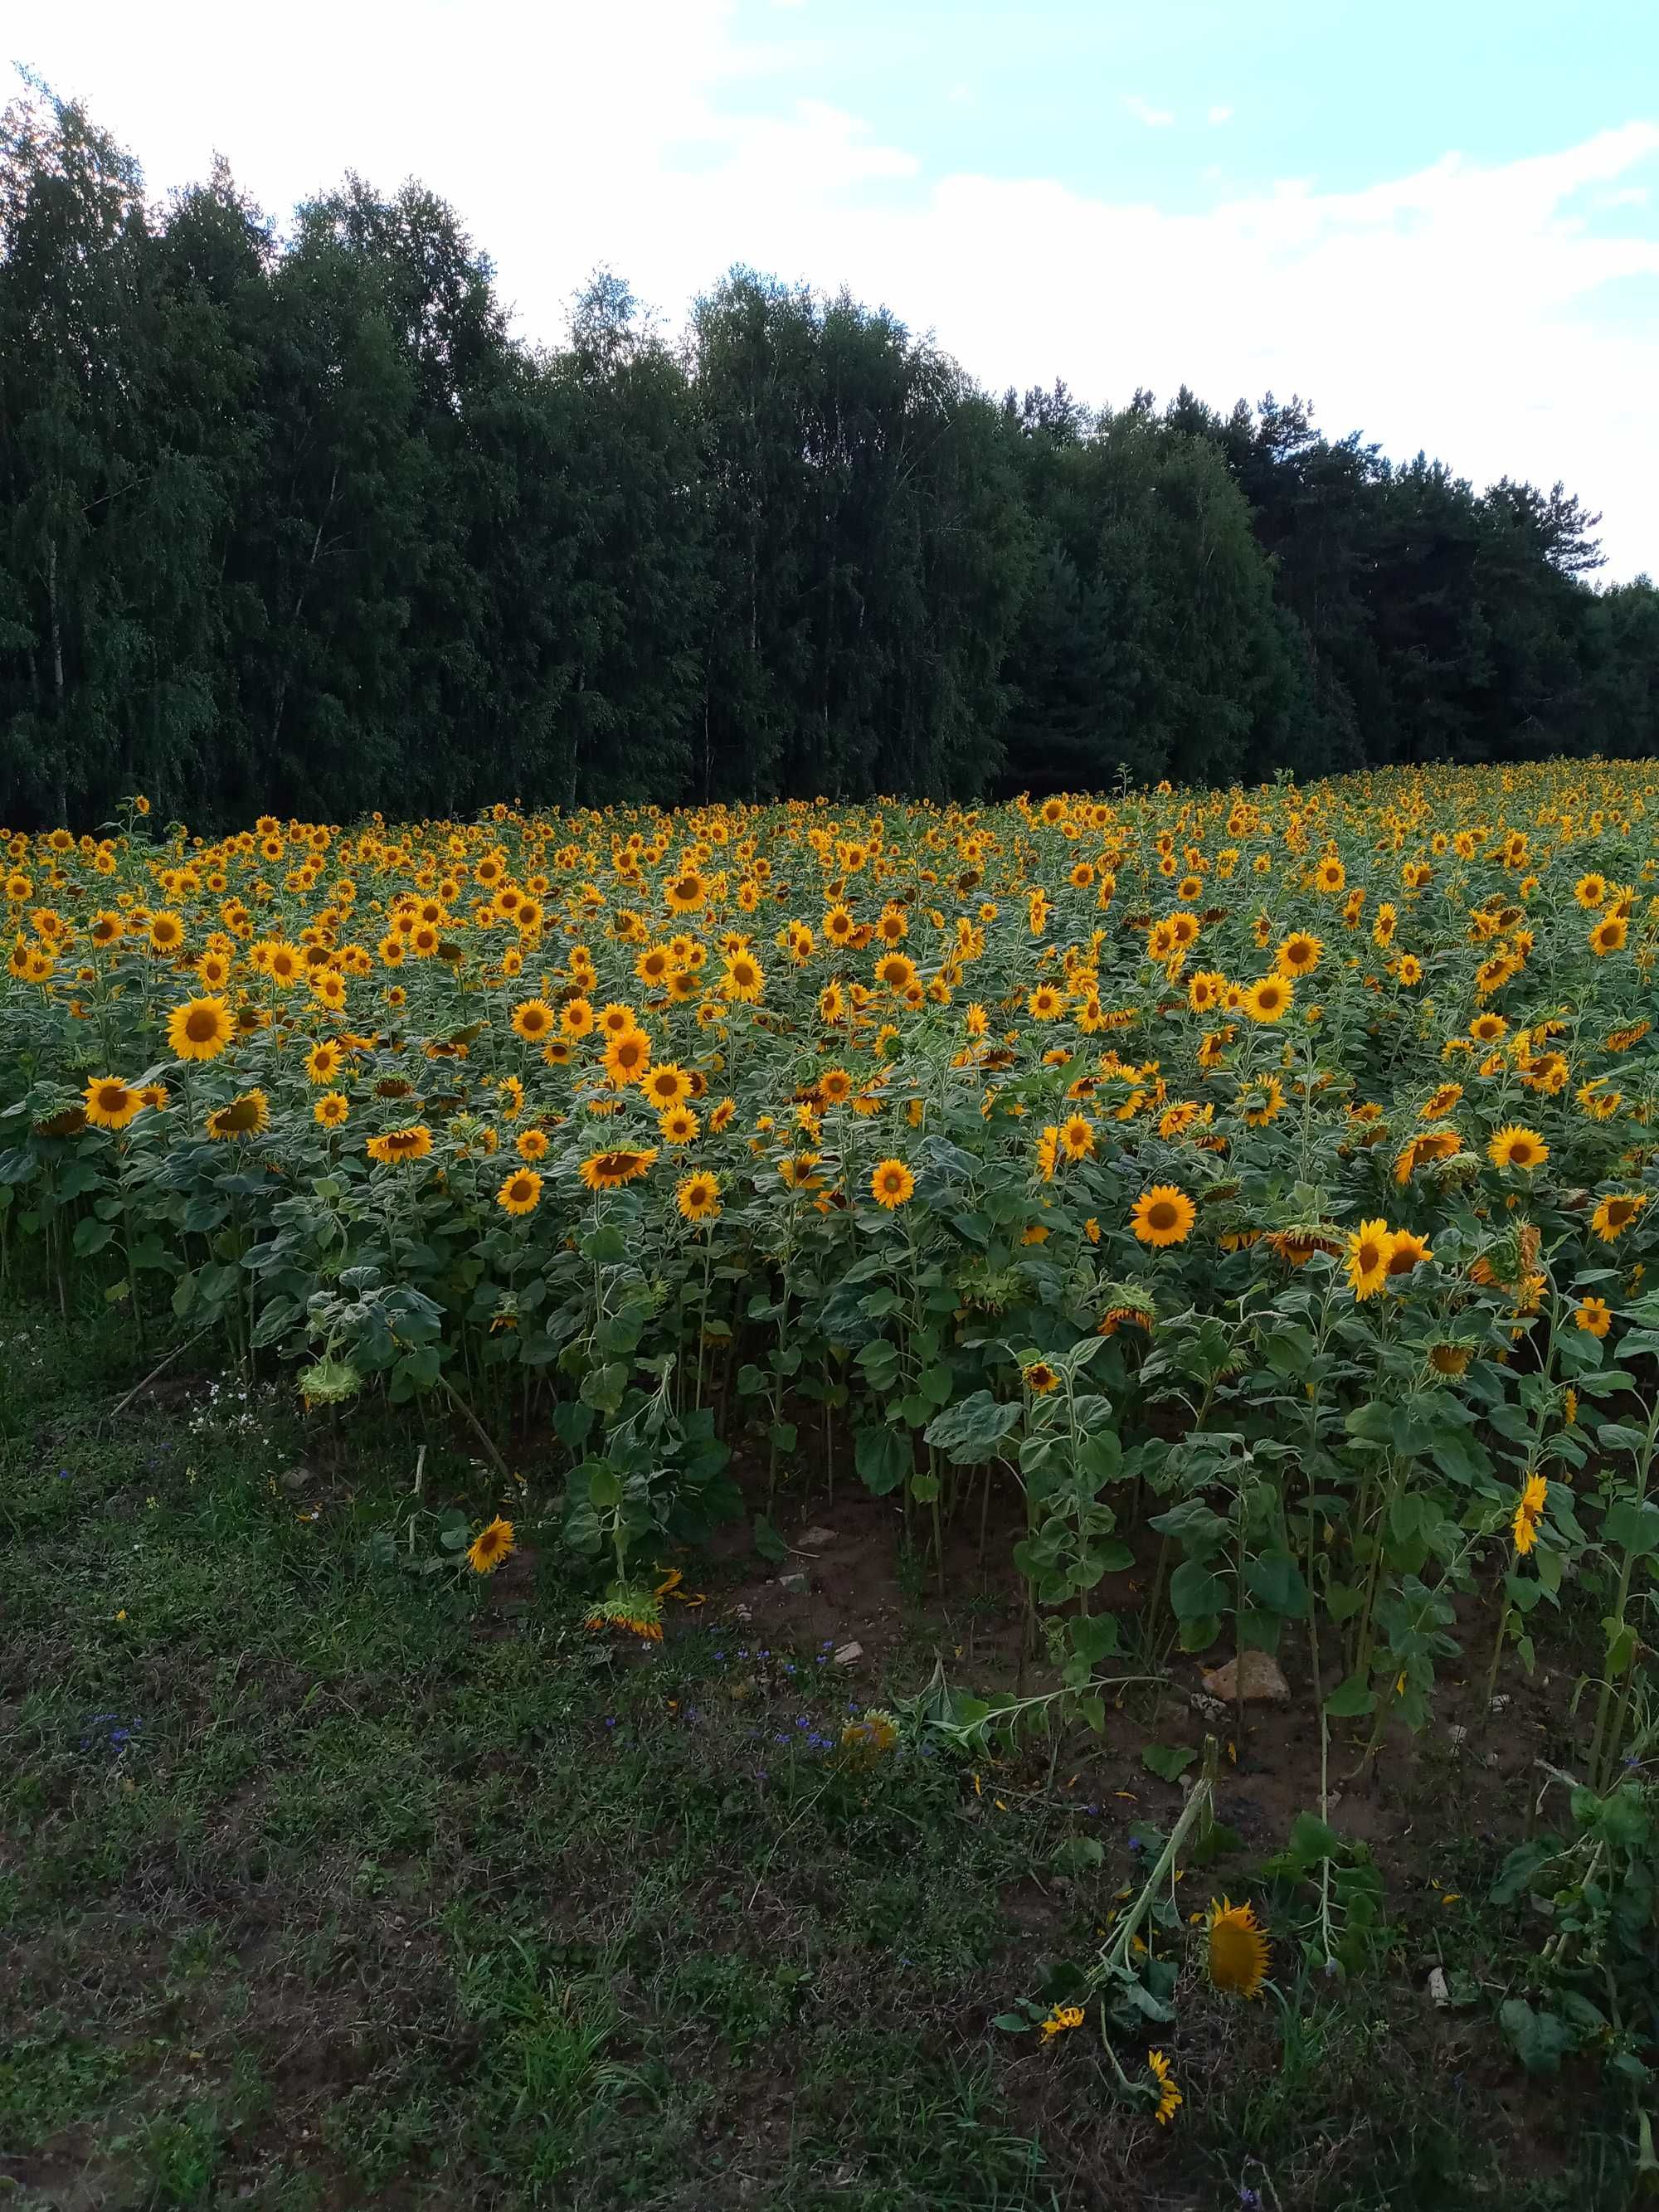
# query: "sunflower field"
{"type": "Point", "coordinates": [1233, 1206]}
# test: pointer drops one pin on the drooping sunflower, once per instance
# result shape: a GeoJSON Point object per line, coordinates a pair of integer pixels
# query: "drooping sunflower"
{"type": "Point", "coordinates": [199, 1029]}
{"type": "Point", "coordinates": [111, 1103]}
{"type": "Point", "coordinates": [1164, 1215]}
{"type": "Point", "coordinates": [698, 1196]}
{"type": "Point", "coordinates": [611, 1170]}
{"type": "Point", "coordinates": [521, 1192]}
{"type": "Point", "coordinates": [1367, 1264]}
{"type": "Point", "coordinates": [1236, 1949]}
{"type": "Point", "coordinates": [1515, 1147]}
{"type": "Point", "coordinates": [891, 1184]}
{"type": "Point", "coordinates": [1263, 1102]}
{"type": "Point", "coordinates": [490, 1546]}
{"type": "Point", "coordinates": [1429, 1144]}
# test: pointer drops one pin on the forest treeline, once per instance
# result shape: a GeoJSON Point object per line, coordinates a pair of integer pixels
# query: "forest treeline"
{"type": "Point", "coordinates": [295, 523]}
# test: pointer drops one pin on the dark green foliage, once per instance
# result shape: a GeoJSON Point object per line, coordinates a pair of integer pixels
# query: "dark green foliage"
{"type": "Point", "coordinates": [298, 525]}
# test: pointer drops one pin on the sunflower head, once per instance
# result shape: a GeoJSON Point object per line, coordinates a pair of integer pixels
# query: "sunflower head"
{"type": "Point", "coordinates": [1236, 1949]}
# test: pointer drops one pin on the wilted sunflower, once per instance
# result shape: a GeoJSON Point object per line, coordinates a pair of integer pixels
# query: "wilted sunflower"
{"type": "Point", "coordinates": [1235, 1951]}
{"type": "Point", "coordinates": [1039, 1378]}
{"type": "Point", "coordinates": [1164, 1215]}
{"type": "Point", "coordinates": [631, 1606]}
{"type": "Point", "coordinates": [490, 1546]}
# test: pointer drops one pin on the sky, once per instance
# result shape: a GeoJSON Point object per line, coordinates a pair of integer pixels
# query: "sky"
{"type": "Point", "coordinates": [1437, 219]}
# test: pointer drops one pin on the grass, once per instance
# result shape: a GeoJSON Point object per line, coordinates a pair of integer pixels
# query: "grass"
{"type": "Point", "coordinates": [325, 1884]}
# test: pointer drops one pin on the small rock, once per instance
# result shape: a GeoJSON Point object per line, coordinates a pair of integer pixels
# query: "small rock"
{"type": "Point", "coordinates": [1210, 1708]}
{"type": "Point", "coordinates": [796, 1585]}
{"type": "Point", "coordinates": [296, 1476]}
{"type": "Point", "coordinates": [741, 1612]}
{"type": "Point", "coordinates": [1457, 1734]}
{"type": "Point", "coordinates": [1254, 1676]}
{"type": "Point", "coordinates": [848, 1655]}
{"type": "Point", "coordinates": [1501, 1702]}
{"type": "Point", "coordinates": [814, 1540]}
{"type": "Point", "coordinates": [1438, 1993]}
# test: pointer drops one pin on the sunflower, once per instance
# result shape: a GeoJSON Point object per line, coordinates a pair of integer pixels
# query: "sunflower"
{"type": "Point", "coordinates": [400, 1146]}
{"type": "Point", "coordinates": [744, 980]}
{"type": "Point", "coordinates": [686, 893]}
{"type": "Point", "coordinates": [1429, 1144]}
{"type": "Point", "coordinates": [1528, 1512]}
{"type": "Point", "coordinates": [1594, 1317]}
{"type": "Point", "coordinates": [247, 1116]}
{"type": "Point", "coordinates": [533, 1019]}
{"type": "Point", "coordinates": [167, 933]}
{"type": "Point", "coordinates": [891, 1184]}
{"type": "Point", "coordinates": [616, 1020]}
{"type": "Point", "coordinates": [1589, 892]}
{"type": "Point", "coordinates": [1609, 936]}
{"type": "Point", "coordinates": [1370, 1246]}
{"type": "Point", "coordinates": [332, 1108]}
{"type": "Point", "coordinates": [1077, 1137]}
{"type": "Point", "coordinates": [1236, 1956]}
{"type": "Point", "coordinates": [611, 1170]}
{"type": "Point", "coordinates": [678, 1125]}
{"type": "Point", "coordinates": [490, 1546]}
{"type": "Point", "coordinates": [1039, 1378]}
{"type": "Point", "coordinates": [521, 1192]}
{"type": "Point", "coordinates": [1164, 1215]}
{"type": "Point", "coordinates": [1440, 1103]}
{"type": "Point", "coordinates": [1299, 955]}
{"type": "Point", "coordinates": [1269, 999]}
{"type": "Point", "coordinates": [698, 1196]}
{"type": "Point", "coordinates": [1263, 1102]}
{"type": "Point", "coordinates": [1451, 1360]}
{"type": "Point", "coordinates": [896, 971]}
{"type": "Point", "coordinates": [111, 1103]}
{"type": "Point", "coordinates": [323, 1062]}
{"type": "Point", "coordinates": [1170, 2098]}
{"type": "Point", "coordinates": [627, 1058]}
{"type": "Point", "coordinates": [1488, 1029]}
{"type": "Point", "coordinates": [1514, 1146]}
{"type": "Point", "coordinates": [666, 1084]}
{"type": "Point", "coordinates": [1406, 1252]}
{"type": "Point", "coordinates": [1615, 1212]}
{"type": "Point", "coordinates": [199, 1029]}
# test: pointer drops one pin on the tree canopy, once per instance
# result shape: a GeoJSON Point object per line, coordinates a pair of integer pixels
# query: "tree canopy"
{"type": "Point", "coordinates": [295, 523]}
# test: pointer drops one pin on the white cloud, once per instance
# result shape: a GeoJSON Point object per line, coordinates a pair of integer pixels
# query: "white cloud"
{"type": "Point", "coordinates": [1219, 115]}
{"type": "Point", "coordinates": [1454, 309]}
{"type": "Point", "coordinates": [1155, 118]}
